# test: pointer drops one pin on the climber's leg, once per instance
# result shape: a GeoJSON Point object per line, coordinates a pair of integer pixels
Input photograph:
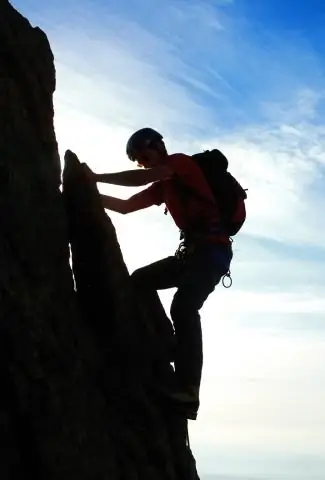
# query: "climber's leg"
{"type": "Point", "coordinates": [158, 275]}
{"type": "Point", "coordinates": [147, 280]}
{"type": "Point", "coordinates": [201, 273]}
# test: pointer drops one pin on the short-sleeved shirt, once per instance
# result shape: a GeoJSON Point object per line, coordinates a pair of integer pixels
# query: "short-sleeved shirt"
{"type": "Point", "coordinates": [187, 209]}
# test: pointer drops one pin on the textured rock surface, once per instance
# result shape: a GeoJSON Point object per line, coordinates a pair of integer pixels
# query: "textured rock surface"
{"type": "Point", "coordinates": [78, 368]}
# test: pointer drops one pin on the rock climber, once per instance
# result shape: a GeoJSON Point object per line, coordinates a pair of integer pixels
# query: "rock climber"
{"type": "Point", "coordinates": [197, 267]}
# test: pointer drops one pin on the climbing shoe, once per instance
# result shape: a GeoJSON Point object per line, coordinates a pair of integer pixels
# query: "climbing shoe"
{"type": "Point", "coordinates": [185, 402]}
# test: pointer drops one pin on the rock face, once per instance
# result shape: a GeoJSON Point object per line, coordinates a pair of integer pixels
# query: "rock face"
{"type": "Point", "coordinates": [80, 357]}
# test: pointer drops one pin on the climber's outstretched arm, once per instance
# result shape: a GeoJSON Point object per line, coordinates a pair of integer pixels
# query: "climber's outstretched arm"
{"type": "Point", "coordinates": [115, 204]}
{"type": "Point", "coordinates": [134, 178]}
{"type": "Point", "coordinates": [148, 197]}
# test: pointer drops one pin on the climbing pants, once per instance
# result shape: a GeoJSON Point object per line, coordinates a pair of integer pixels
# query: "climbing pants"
{"type": "Point", "coordinates": [195, 277]}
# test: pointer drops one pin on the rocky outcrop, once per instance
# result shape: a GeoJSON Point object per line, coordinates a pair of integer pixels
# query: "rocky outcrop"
{"type": "Point", "coordinates": [80, 357]}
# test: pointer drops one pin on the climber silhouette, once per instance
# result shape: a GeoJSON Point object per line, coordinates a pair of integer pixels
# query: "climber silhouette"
{"type": "Point", "coordinates": [199, 264]}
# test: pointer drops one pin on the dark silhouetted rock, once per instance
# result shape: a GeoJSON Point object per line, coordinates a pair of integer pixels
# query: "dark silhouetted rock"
{"type": "Point", "coordinates": [80, 358]}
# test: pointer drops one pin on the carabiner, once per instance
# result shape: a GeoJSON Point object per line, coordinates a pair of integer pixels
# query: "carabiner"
{"type": "Point", "coordinates": [227, 275]}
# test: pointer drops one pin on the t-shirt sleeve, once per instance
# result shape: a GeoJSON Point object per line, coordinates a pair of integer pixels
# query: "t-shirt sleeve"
{"type": "Point", "coordinates": [152, 195]}
{"type": "Point", "coordinates": [182, 165]}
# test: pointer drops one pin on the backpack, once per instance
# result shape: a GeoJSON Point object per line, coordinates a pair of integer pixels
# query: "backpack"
{"type": "Point", "coordinates": [229, 194]}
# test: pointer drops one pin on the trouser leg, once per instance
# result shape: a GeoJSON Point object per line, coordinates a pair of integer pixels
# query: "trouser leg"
{"type": "Point", "coordinates": [198, 279]}
{"type": "Point", "coordinates": [159, 275]}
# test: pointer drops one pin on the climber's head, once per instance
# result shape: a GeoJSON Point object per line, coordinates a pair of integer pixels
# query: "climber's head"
{"type": "Point", "coordinates": [146, 147]}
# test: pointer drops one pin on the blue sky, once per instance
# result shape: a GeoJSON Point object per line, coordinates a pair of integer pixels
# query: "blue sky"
{"type": "Point", "coordinates": [247, 77]}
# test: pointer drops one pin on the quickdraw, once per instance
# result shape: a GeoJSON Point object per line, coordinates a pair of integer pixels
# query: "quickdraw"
{"type": "Point", "coordinates": [181, 251]}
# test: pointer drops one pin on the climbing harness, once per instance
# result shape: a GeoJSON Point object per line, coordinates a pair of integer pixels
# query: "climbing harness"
{"type": "Point", "coordinates": [184, 250]}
